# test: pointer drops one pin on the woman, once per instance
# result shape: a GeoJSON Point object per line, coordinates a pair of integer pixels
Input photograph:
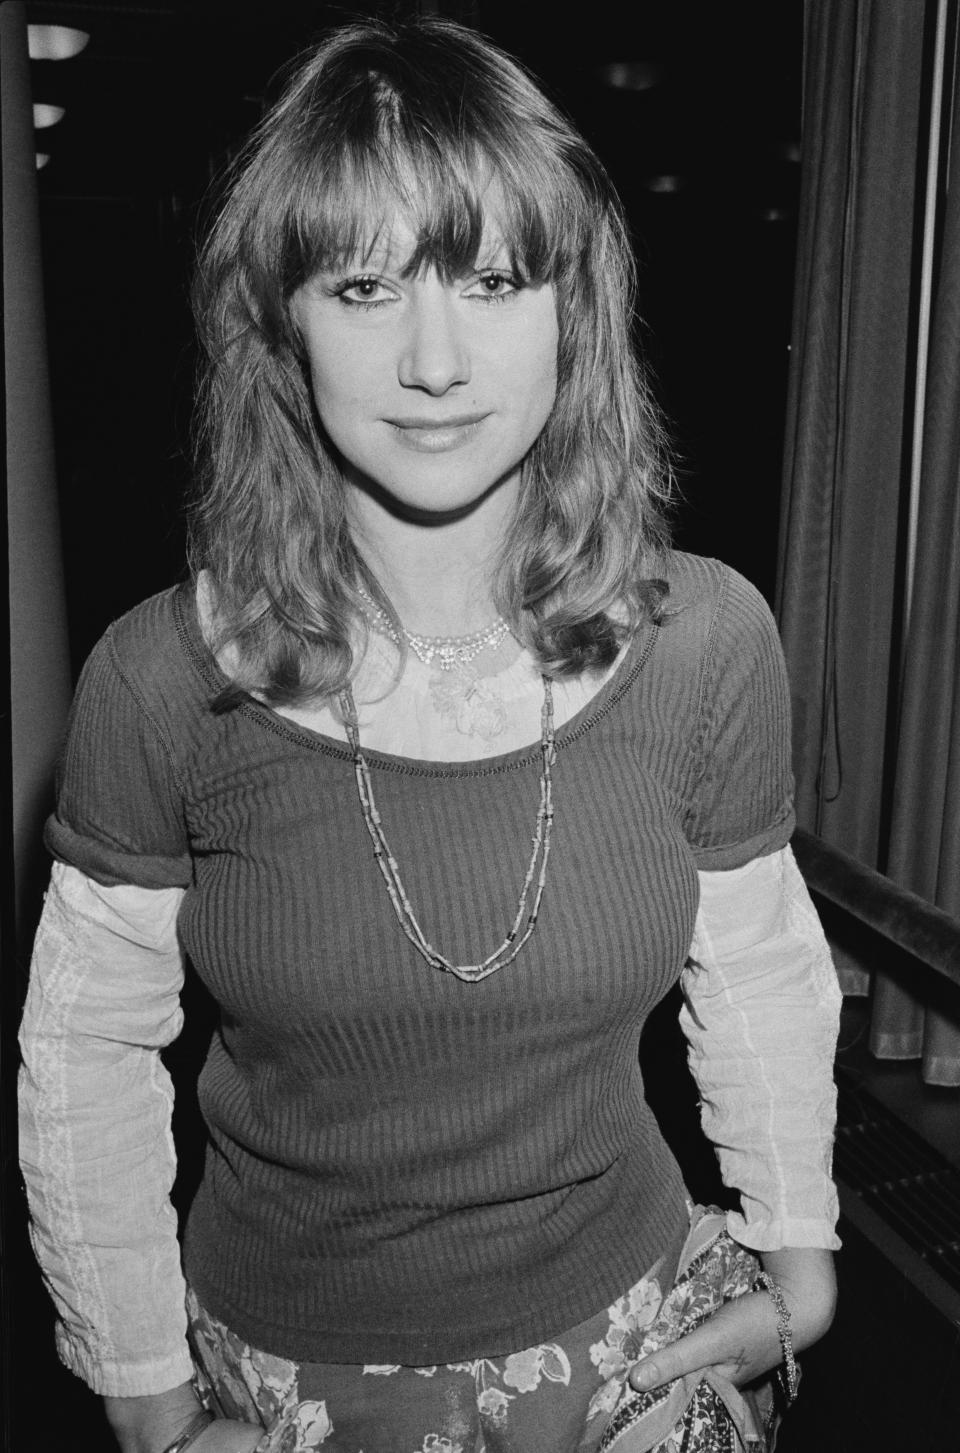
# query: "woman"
{"type": "Point", "coordinates": [425, 771]}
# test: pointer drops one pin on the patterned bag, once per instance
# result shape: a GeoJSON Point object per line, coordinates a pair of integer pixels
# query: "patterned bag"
{"type": "Point", "coordinates": [696, 1413]}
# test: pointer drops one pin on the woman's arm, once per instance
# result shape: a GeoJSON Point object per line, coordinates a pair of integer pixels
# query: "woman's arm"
{"type": "Point", "coordinates": [95, 1141]}
{"type": "Point", "coordinates": [741, 1341]}
{"type": "Point", "coordinates": [152, 1424]}
{"type": "Point", "coordinates": [98, 1157]}
{"type": "Point", "coordinates": [761, 1018]}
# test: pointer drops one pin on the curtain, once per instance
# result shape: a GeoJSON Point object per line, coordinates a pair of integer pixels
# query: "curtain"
{"type": "Point", "coordinates": [40, 680]}
{"type": "Point", "coordinates": [36, 692]}
{"type": "Point", "coordinates": [924, 852]}
{"type": "Point", "coordinates": [868, 594]}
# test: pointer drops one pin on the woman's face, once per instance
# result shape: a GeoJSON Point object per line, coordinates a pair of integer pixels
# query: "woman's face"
{"type": "Point", "coordinates": [432, 392]}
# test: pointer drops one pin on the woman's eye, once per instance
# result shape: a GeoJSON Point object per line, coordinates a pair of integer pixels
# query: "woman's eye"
{"type": "Point", "coordinates": [494, 286]}
{"type": "Point", "coordinates": [363, 292]}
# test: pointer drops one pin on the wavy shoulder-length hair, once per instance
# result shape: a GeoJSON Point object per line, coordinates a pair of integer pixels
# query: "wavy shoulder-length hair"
{"type": "Point", "coordinates": [422, 121]}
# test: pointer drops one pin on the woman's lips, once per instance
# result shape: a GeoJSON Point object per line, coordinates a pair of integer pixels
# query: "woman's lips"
{"type": "Point", "coordinates": [435, 436]}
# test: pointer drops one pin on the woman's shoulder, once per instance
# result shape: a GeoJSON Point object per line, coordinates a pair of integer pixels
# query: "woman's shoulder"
{"type": "Point", "coordinates": [701, 580]}
{"type": "Point", "coordinates": [149, 625]}
{"type": "Point", "coordinates": [154, 647]}
{"type": "Point", "coordinates": [708, 598]}
{"type": "Point", "coordinates": [714, 623]}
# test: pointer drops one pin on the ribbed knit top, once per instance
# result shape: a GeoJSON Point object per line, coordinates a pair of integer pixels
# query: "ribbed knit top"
{"type": "Point", "coordinates": [403, 1168]}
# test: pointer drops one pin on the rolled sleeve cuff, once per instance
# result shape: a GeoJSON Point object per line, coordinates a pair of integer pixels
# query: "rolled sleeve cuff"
{"type": "Point", "coordinates": [124, 1379]}
{"type": "Point", "coordinates": [774, 1234]}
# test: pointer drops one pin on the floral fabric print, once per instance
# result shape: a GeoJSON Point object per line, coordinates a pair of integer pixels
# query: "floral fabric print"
{"type": "Point", "coordinates": [252, 1386]}
{"type": "Point", "coordinates": [565, 1396]}
{"type": "Point", "coordinates": [528, 1401]}
{"type": "Point", "coordinates": [629, 1318]}
{"type": "Point", "coordinates": [523, 1371]}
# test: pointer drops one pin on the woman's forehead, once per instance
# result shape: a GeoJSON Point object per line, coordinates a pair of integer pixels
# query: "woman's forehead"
{"type": "Point", "coordinates": [396, 241]}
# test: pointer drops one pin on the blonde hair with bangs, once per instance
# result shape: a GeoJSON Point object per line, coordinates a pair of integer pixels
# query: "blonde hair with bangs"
{"type": "Point", "coordinates": [419, 120]}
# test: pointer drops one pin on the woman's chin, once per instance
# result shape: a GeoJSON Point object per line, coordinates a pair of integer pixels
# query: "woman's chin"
{"type": "Point", "coordinates": [433, 511]}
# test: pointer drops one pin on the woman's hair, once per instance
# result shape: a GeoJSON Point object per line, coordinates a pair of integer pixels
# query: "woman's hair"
{"type": "Point", "coordinates": [416, 120]}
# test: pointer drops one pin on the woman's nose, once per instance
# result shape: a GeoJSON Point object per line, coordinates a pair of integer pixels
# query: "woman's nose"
{"type": "Point", "coordinates": [434, 355]}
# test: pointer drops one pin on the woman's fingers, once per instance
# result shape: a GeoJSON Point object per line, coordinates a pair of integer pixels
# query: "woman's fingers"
{"type": "Point", "coordinates": [740, 1341]}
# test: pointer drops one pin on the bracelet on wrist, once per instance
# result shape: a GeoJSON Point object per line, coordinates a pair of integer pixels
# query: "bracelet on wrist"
{"type": "Point", "coordinates": [190, 1433]}
{"type": "Point", "coordinates": [790, 1373]}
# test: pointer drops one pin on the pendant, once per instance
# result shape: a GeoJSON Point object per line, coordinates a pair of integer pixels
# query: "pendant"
{"type": "Point", "coordinates": [468, 702]}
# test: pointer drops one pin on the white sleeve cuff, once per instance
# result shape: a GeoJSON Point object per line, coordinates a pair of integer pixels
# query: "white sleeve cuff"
{"type": "Point", "coordinates": [773, 1235]}
{"type": "Point", "coordinates": [123, 1379]}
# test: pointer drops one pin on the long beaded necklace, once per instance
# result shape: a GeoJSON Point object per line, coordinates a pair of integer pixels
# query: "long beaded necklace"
{"type": "Point", "coordinates": [448, 651]}
{"type": "Point", "coordinates": [387, 863]}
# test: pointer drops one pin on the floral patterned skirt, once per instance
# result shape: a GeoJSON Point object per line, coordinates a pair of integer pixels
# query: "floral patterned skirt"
{"type": "Point", "coordinates": [569, 1395]}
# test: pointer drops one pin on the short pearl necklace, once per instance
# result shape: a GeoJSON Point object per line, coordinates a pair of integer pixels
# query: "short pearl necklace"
{"type": "Point", "coordinates": [448, 651]}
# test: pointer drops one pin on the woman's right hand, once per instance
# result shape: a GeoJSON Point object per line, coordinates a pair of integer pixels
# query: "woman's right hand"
{"type": "Point", "coordinates": [150, 1424]}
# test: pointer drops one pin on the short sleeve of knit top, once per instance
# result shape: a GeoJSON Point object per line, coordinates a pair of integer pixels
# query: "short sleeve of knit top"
{"type": "Point", "coordinates": [120, 813]}
{"type": "Point", "coordinates": [742, 804]}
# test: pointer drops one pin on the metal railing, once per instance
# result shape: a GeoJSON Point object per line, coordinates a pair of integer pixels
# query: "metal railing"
{"type": "Point", "coordinates": [904, 918]}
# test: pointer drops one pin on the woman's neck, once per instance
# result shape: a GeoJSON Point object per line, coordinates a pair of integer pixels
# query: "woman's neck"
{"type": "Point", "coordinates": [439, 577]}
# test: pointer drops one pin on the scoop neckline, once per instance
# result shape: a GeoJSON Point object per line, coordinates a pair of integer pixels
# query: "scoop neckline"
{"type": "Point", "coordinates": [620, 681]}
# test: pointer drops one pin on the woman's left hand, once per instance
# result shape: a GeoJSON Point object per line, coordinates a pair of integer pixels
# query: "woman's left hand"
{"type": "Point", "coordinates": [740, 1341]}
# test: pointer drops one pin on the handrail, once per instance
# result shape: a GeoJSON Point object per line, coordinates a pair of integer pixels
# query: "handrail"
{"type": "Point", "coordinates": [907, 920]}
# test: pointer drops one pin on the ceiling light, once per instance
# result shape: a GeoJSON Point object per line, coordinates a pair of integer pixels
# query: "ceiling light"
{"type": "Point", "coordinates": [44, 115]}
{"type": "Point", "coordinates": [42, 158]}
{"type": "Point", "coordinates": [665, 183]}
{"type": "Point", "coordinates": [55, 42]}
{"type": "Point", "coordinates": [630, 75]}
